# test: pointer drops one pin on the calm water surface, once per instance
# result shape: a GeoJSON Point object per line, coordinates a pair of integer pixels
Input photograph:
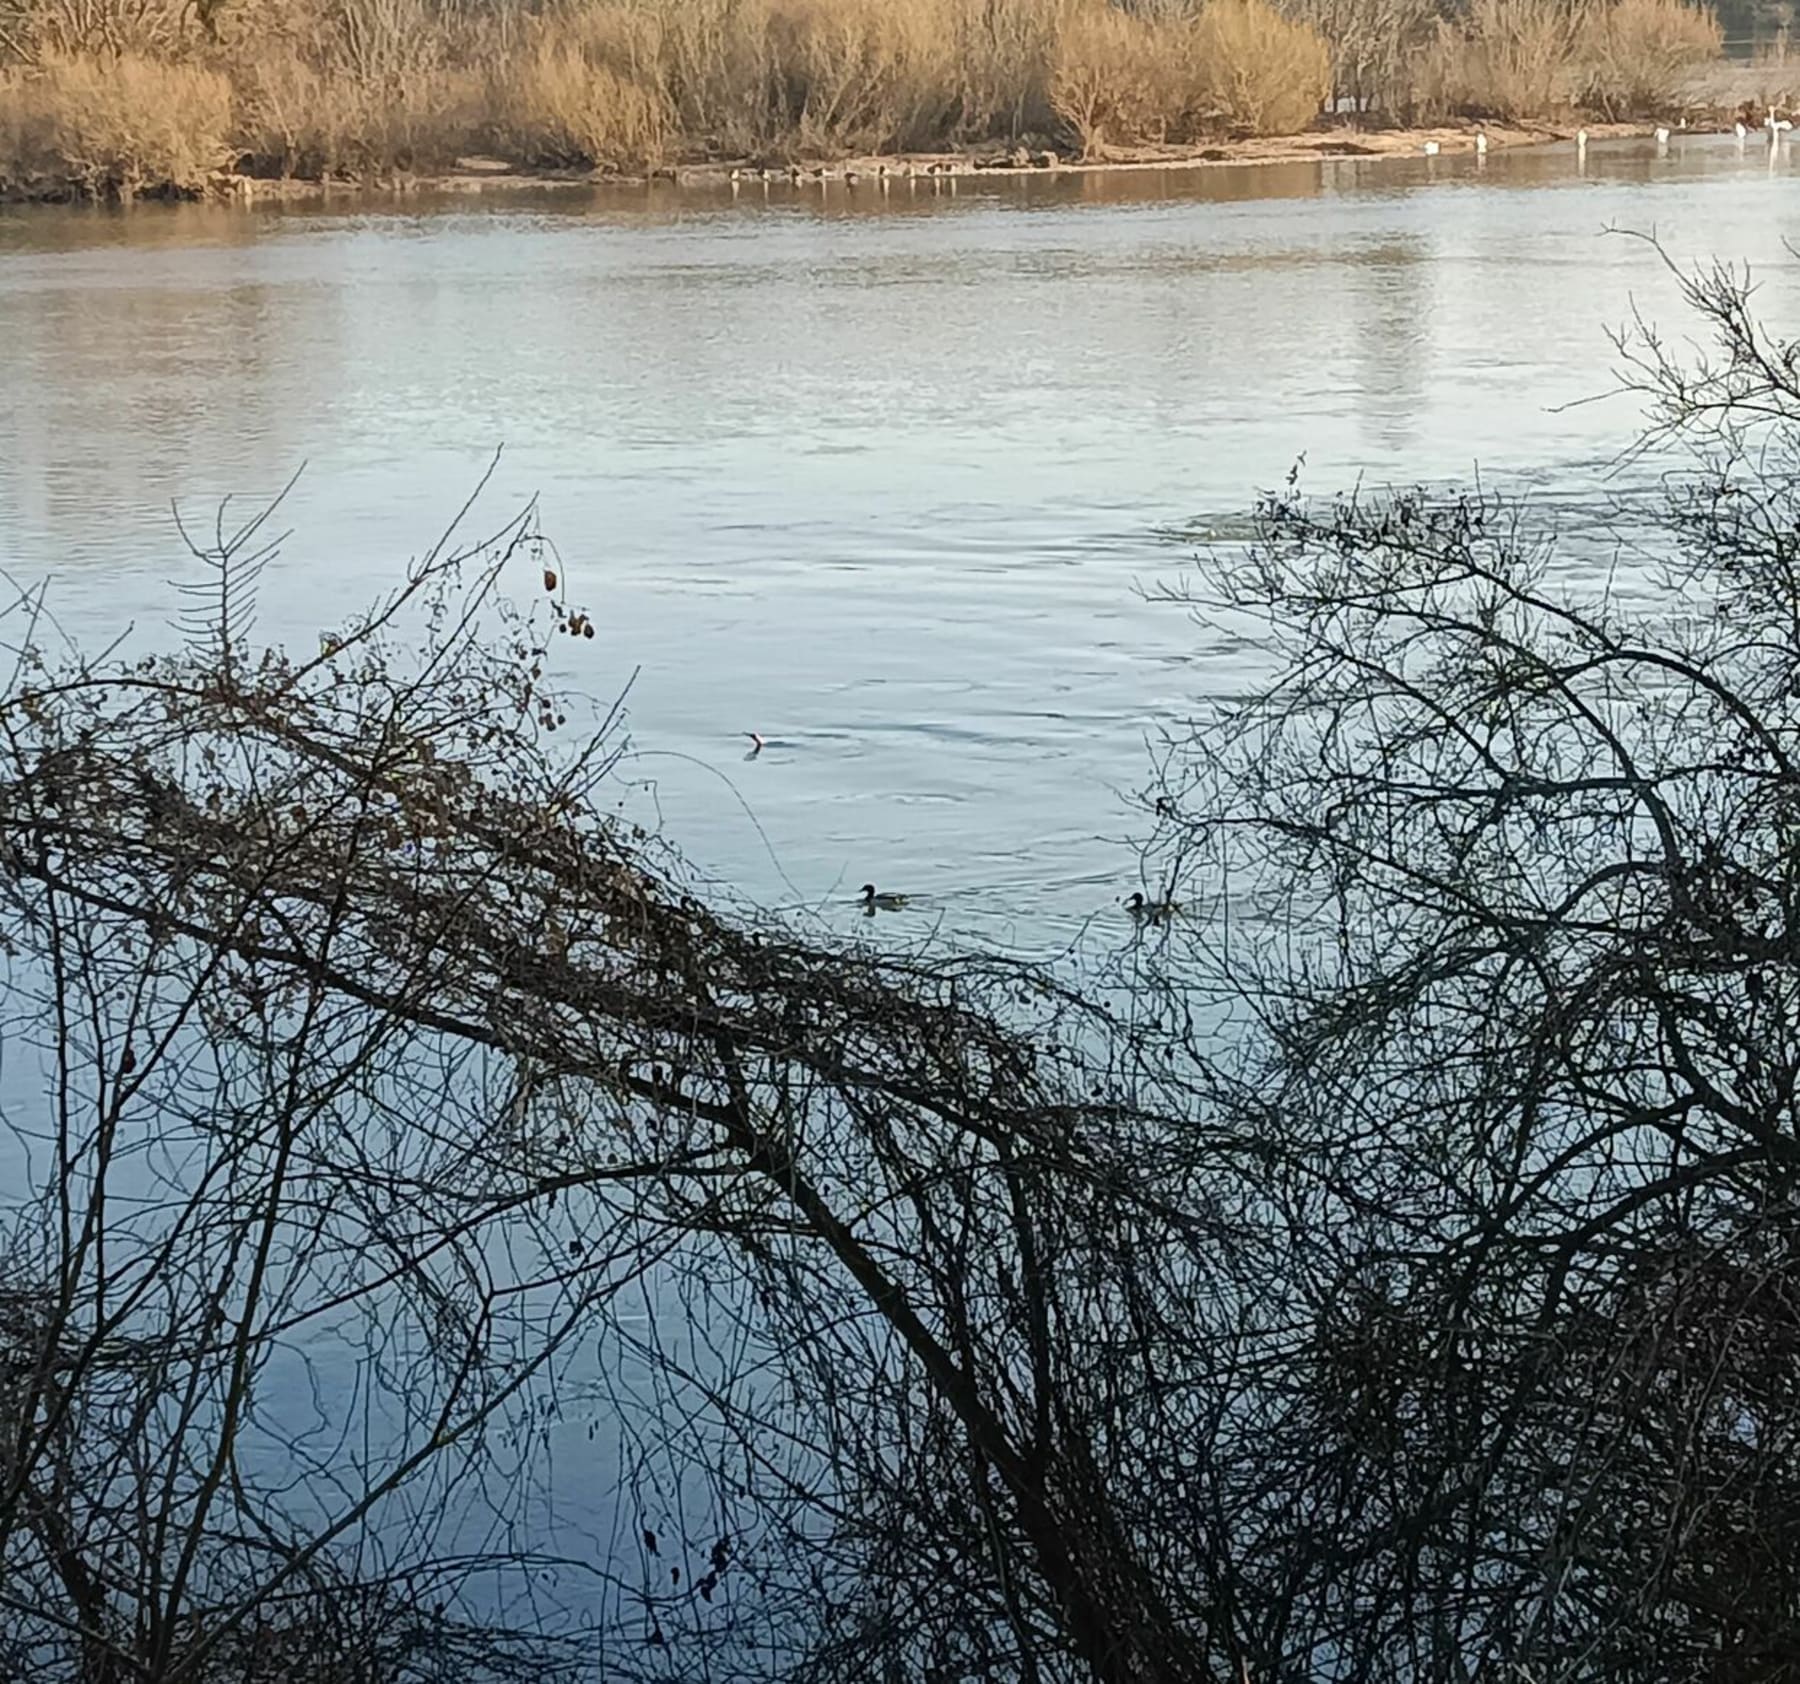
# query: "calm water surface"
{"type": "Point", "coordinates": [876, 476]}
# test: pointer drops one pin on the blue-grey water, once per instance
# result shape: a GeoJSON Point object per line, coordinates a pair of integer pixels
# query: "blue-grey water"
{"type": "Point", "coordinates": [878, 476]}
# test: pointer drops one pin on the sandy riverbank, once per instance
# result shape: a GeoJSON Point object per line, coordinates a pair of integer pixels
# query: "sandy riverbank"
{"type": "Point", "coordinates": [486, 175]}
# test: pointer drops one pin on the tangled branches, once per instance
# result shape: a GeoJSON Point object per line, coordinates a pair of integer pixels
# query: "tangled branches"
{"type": "Point", "coordinates": [397, 1042]}
{"type": "Point", "coordinates": [1532, 1042]}
{"type": "Point", "coordinates": [1397, 1283]}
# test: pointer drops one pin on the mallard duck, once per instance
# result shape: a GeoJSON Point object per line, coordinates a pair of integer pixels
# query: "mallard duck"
{"type": "Point", "coordinates": [1151, 911]}
{"type": "Point", "coordinates": [873, 902]}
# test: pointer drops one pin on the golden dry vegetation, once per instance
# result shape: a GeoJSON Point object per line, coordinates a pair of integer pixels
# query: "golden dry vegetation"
{"type": "Point", "coordinates": [117, 97]}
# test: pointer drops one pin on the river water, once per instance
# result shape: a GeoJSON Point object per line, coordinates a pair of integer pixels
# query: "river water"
{"type": "Point", "coordinates": [879, 476]}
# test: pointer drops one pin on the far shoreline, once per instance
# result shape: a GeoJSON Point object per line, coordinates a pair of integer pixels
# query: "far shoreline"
{"type": "Point", "coordinates": [877, 172]}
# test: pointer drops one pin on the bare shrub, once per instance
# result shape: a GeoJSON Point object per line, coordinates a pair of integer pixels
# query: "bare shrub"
{"type": "Point", "coordinates": [1396, 1279]}
{"type": "Point", "coordinates": [1109, 79]}
{"type": "Point", "coordinates": [1264, 73]}
{"type": "Point", "coordinates": [291, 120]}
{"type": "Point", "coordinates": [1512, 58]}
{"type": "Point", "coordinates": [1643, 56]}
{"type": "Point", "coordinates": [1525, 59]}
{"type": "Point", "coordinates": [113, 126]}
{"type": "Point", "coordinates": [1004, 53]}
{"type": "Point", "coordinates": [1375, 47]}
{"type": "Point", "coordinates": [582, 88]}
{"type": "Point", "coordinates": [384, 44]}
{"type": "Point", "coordinates": [1171, 74]}
{"type": "Point", "coordinates": [296, 117]}
{"type": "Point", "coordinates": [332, 87]}
{"type": "Point", "coordinates": [555, 107]}
{"type": "Point", "coordinates": [866, 75]}
{"type": "Point", "coordinates": [718, 66]}
{"type": "Point", "coordinates": [366, 1028]}
{"type": "Point", "coordinates": [34, 30]}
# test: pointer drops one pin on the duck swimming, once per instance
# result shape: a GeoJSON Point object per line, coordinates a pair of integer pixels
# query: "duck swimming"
{"type": "Point", "coordinates": [873, 902]}
{"type": "Point", "coordinates": [1151, 911]}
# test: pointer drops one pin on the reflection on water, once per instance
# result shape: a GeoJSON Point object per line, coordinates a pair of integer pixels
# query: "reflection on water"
{"type": "Point", "coordinates": [875, 474]}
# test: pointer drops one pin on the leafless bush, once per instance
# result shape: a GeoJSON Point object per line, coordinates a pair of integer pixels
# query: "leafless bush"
{"type": "Point", "coordinates": [1644, 56]}
{"type": "Point", "coordinates": [34, 30]}
{"type": "Point", "coordinates": [1375, 46]}
{"type": "Point", "coordinates": [1265, 74]}
{"type": "Point", "coordinates": [582, 90]}
{"type": "Point", "coordinates": [1528, 1029]}
{"type": "Point", "coordinates": [1107, 78]}
{"type": "Point", "coordinates": [1514, 58]}
{"type": "Point", "coordinates": [1384, 1270]}
{"type": "Point", "coordinates": [362, 1029]}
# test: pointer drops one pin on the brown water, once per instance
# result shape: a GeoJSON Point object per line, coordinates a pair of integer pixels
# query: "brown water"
{"type": "Point", "coordinates": [874, 475]}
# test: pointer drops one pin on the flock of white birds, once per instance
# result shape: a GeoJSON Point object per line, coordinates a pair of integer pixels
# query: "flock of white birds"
{"type": "Point", "coordinates": [1774, 123]}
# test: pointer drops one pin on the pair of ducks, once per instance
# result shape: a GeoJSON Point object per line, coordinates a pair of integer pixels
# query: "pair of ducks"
{"type": "Point", "coordinates": [1144, 910]}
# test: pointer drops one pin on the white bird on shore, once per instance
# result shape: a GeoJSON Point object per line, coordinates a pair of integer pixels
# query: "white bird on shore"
{"type": "Point", "coordinates": [1581, 140]}
{"type": "Point", "coordinates": [1662, 137]}
{"type": "Point", "coordinates": [1741, 132]}
{"type": "Point", "coordinates": [1481, 140]}
{"type": "Point", "coordinates": [1431, 149]}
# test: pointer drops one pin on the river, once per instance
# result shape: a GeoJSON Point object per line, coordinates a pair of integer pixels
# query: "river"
{"type": "Point", "coordinates": [876, 475]}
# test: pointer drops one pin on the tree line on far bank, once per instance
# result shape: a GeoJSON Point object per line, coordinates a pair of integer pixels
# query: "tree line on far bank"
{"type": "Point", "coordinates": [124, 96]}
